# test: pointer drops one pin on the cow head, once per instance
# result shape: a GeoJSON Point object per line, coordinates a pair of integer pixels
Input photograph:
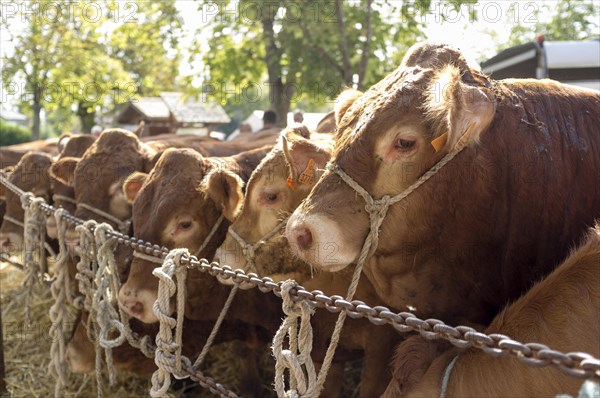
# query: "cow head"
{"type": "Point", "coordinates": [98, 176]}
{"type": "Point", "coordinates": [387, 138]}
{"type": "Point", "coordinates": [177, 205]}
{"type": "Point", "coordinates": [277, 187]}
{"type": "Point", "coordinates": [70, 146]}
{"type": "Point", "coordinates": [31, 175]}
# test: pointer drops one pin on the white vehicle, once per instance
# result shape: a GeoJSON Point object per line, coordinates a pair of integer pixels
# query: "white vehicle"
{"type": "Point", "coordinates": [571, 62]}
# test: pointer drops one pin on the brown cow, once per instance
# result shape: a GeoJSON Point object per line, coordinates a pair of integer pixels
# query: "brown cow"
{"type": "Point", "coordinates": [10, 155]}
{"type": "Point", "coordinates": [496, 218]}
{"type": "Point", "coordinates": [561, 312]}
{"type": "Point", "coordinates": [31, 175]}
{"type": "Point", "coordinates": [271, 196]}
{"type": "Point", "coordinates": [64, 195]}
{"type": "Point", "coordinates": [98, 176]}
{"type": "Point", "coordinates": [177, 205]}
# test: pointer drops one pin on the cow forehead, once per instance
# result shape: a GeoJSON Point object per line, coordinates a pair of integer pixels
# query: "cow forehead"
{"type": "Point", "coordinates": [382, 107]}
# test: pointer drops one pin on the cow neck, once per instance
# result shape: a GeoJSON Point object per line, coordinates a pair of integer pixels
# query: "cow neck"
{"type": "Point", "coordinates": [249, 249]}
{"type": "Point", "coordinates": [378, 208]}
{"type": "Point", "coordinates": [122, 225]}
{"type": "Point", "coordinates": [205, 243]}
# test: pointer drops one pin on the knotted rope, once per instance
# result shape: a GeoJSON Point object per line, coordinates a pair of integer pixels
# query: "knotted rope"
{"type": "Point", "coordinates": [377, 210]}
{"type": "Point", "coordinates": [107, 286]}
{"type": "Point", "coordinates": [34, 237]}
{"type": "Point", "coordinates": [61, 291]}
{"type": "Point", "coordinates": [249, 250]}
{"type": "Point", "coordinates": [86, 273]}
{"type": "Point", "coordinates": [168, 351]}
{"type": "Point", "coordinates": [297, 358]}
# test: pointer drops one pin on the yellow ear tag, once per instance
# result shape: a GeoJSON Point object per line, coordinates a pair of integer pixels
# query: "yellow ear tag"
{"type": "Point", "coordinates": [439, 142]}
{"type": "Point", "coordinates": [308, 175]}
{"type": "Point", "coordinates": [291, 184]}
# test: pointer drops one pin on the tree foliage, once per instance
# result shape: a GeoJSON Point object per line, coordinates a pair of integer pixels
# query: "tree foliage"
{"type": "Point", "coordinates": [88, 57]}
{"type": "Point", "coordinates": [306, 51]}
{"type": "Point", "coordinates": [568, 20]}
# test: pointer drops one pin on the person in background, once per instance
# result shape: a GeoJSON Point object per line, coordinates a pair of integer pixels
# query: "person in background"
{"type": "Point", "coordinates": [298, 116]}
{"type": "Point", "coordinates": [269, 120]}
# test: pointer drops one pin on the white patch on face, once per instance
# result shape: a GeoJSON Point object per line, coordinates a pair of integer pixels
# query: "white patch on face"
{"type": "Point", "coordinates": [328, 250]}
{"type": "Point", "coordinates": [118, 206]}
{"type": "Point", "coordinates": [230, 254]}
{"type": "Point", "coordinates": [400, 166]}
{"type": "Point", "coordinates": [146, 298]}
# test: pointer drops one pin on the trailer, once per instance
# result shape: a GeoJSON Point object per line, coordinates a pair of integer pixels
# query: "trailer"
{"type": "Point", "coordinates": [570, 62]}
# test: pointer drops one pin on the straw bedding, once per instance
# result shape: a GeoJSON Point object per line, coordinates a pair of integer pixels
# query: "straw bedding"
{"type": "Point", "coordinates": [27, 354]}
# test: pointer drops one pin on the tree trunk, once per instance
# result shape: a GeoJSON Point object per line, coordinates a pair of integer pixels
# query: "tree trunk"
{"type": "Point", "coordinates": [279, 98]}
{"type": "Point", "coordinates": [87, 119]}
{"type": "Point", "coordinates": [37, 109]}
{"type": "Point", "coordinates": [346, 65]}
{"type": "Point", "coordinates": [364, 61]}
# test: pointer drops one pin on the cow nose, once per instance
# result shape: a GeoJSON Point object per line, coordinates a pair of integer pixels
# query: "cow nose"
{"type": "Point", "coordinates": [127, 301]}
{"type": "Point", "coordinates": [302, 237]}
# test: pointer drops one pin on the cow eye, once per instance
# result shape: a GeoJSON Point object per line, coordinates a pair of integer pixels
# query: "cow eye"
{"type": "Point", "coordinates": [184, 225]}
{"type": "Point", "coordinates": [270, 197]}
{"type": "Point", "coordinates": [403, 145]}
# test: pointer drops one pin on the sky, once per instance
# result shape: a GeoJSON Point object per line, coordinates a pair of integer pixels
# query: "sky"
{"type": "Point", "coordinates": [478, 38]}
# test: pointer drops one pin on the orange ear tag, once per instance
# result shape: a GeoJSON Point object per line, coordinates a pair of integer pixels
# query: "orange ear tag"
{"type": "Point", "coordinates": [439, 142]}
{"type": "Point", "coordinates": [291, 184]}
{"type": "Point", "coordinates": [308, 175]}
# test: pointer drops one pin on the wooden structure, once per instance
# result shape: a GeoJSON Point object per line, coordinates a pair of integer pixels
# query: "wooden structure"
{"type": "Point", "coordinates": [171, 113]}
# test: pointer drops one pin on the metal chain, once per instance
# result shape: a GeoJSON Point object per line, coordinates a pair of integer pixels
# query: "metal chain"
{"type": "Point", "coordinates": [573, 364]}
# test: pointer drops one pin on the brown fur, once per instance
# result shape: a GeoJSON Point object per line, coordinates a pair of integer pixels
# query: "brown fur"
{"type": "Point", "coordinates": [561, 312]}
{"type": "Point", "coordinates": [175, 186]}
{"type": "Point", "coordinates": [31, 175]}
{"type": "Point", "coordinates": [275, 259]}
{"type": "Point", "coordinates": [498, 217]}
{"type": "Point", "coordinates": [10, 155]}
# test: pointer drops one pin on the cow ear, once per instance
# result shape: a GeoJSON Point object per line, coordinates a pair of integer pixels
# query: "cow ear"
{"type": "Point", "coordinates": [150, 157]}
{"type": "Point", "coordinates": [303, 157]}
{"type": "Point", "coordinates": [456, 109]}
{"type": "Point", "coordinates": [63, 170]}
{"type": "Point", "coordinates": [139, 131]}
{"type": "Point", "coordinates": [133, 184]}
{"type": "Point", "coordinates": [225, 188]}
{"type": "Point", "coordinates": [62, 141]}
{"type": "Point", "coordinates": [343, 103]}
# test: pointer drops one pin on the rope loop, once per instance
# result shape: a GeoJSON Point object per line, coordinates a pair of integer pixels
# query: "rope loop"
{"type": "Point", "coordinates": [168, 356]}
{"type": "Point", "coordinates": [302, 374]}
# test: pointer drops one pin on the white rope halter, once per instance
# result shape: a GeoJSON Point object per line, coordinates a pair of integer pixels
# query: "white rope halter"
{"type": "Point", "coordinates": [14, 221]}
{"type": "Point", "coordinates": [249, 249]}
{"type": "Point", "coordinates": [56, 197]}
{"type": "Point", "coordinates": [123, 226]}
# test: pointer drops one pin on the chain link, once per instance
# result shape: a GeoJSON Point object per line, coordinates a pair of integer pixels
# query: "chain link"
{"type": "Point", "coordinates": [580, 365]}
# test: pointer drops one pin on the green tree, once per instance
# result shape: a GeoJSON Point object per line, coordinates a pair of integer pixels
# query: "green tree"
{"type": "Point", "coordinates": [147, 44]}
{"type": "Point", "coordinates": [38, 49]}
{"type": "Point", "coordinates": [562, 20]}
{"type": "Point", "coordinates": [310, 49]}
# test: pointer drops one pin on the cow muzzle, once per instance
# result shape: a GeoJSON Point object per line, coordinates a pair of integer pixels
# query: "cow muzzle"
{"type": "Point", "coordinates": [139, 303]}
{"type": "Point", "coordinates": [319, 241]}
